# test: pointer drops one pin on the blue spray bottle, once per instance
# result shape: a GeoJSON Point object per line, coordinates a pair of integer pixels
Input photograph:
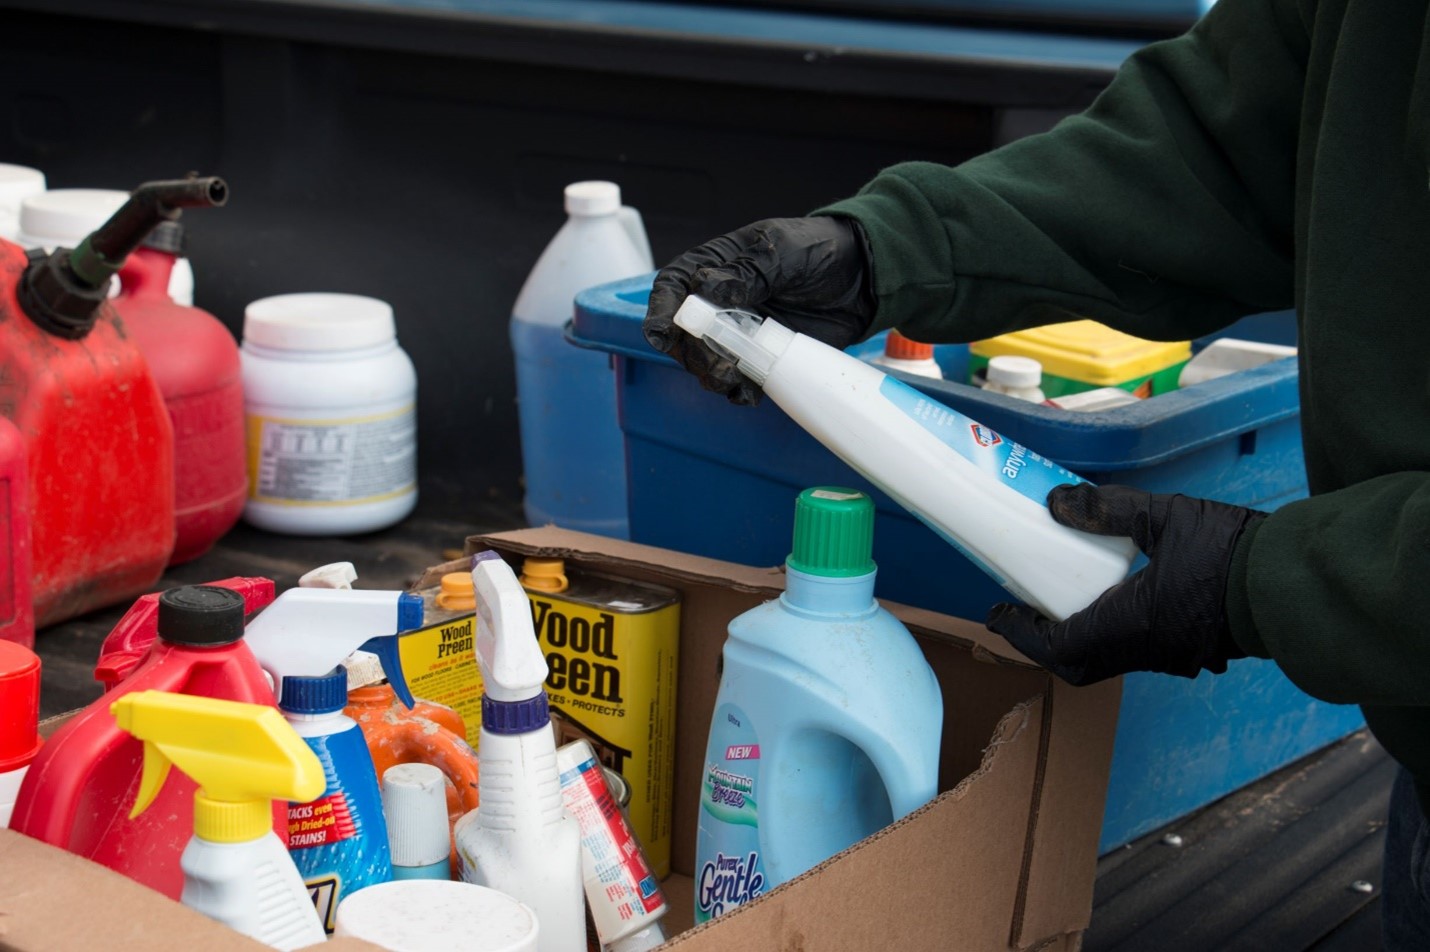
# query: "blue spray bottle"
{"type": "Point", "coordinates": [338, 841]}
{"type": "Point", "coordinates": [827, 723]}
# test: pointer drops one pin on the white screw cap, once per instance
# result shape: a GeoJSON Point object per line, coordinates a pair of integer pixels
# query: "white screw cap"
{"type": "Point", "coordinates": [18, 182]}
{"type": "Point", "coordinates": [414, 799]}
{"type": "Point", "coordinates": [432, 915]}
{"type": "Point", "coordinates": [1016, 372]}
{"type": "Point", "coordinates": [318, 322]}
{"type": "Point", "coordinates": [64, 216]}
{"type": "Point", "coordinates": [593, 198]}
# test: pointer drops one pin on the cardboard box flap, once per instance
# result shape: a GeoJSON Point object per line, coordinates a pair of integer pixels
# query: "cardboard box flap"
{"type": "Point", "coordinates": [597, 551]}
{"type": "Point", "coordinates": [915, 866]}
{"type": "Point", "coordinates": [42, 889]}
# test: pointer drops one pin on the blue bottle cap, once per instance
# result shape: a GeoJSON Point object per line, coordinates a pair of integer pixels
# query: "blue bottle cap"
{"type": "Point", "coordinates": [323, 694]}
{"type": "Point", "coordinates": [515, 717]}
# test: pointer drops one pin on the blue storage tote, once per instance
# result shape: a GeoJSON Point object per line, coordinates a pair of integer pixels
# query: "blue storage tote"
{"type": "Point", "coordinates": [718, 480]}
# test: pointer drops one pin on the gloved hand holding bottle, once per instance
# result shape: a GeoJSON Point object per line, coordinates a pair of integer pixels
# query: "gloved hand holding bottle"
{"type": "Point", "coordinates": [813, 275]}
{"type": "Point", "coordinates": [1168, 617]}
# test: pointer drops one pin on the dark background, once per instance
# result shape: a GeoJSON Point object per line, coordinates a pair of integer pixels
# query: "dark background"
{"type": "Point", "coordinates": [420, 159]}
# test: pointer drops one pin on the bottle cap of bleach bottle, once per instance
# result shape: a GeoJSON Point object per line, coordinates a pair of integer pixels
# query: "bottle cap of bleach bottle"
{"type": "Point", "coordinates": [339, 838]}
{"type": "Point", "coordinates": [827, 723]}
{"type": "Point", "coordinates": [986, 495]}
{"type": "Point", "coordinates": [236, 870]}
{"type": "Point", "coordinates": [520, 840]}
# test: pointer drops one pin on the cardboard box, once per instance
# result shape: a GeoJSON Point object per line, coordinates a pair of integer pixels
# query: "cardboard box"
{"type": "Point", "coordinates": [1003, 859]}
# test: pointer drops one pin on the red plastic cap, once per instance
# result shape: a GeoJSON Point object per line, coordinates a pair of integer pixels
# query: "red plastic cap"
{"type": "Point", "coordinates": [898, 346]}
{"type": "Point", "coordinates": [19, 706]}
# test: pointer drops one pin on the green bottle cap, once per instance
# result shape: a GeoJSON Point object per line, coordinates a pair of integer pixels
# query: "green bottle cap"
{"type": "Point", "coordinates": [833, 533]}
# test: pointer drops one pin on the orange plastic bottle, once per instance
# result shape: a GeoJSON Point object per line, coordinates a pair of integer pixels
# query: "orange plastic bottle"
{"type": "Point", "coordinates": [428, 734]}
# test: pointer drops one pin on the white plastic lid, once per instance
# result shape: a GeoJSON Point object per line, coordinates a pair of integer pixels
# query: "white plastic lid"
{"type": "Point", "coordinates": [64, 216]}
{"type": "Point", "coordinates": [17, 182]}
{"type": "Point", "coordinates": [1019, 372]}
{"type": "Point", "coordinates": [593, 198]}
{"type": "Point", "coordinates": [414, 799]}
{"type": "Point", "coordinates": [318, 322]}
{"type": "Point", "coordinates": [433, 915]}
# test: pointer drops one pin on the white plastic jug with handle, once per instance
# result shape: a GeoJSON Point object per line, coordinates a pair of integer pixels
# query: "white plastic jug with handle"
{"type": "Point", "coordinates": [571, 446]}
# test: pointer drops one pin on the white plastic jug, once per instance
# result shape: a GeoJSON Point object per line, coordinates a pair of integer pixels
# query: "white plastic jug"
{"type": "Point", "coordinates": [571, 445]}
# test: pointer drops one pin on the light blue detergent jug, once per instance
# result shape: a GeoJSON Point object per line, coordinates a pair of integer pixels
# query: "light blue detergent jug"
{"type": "Point", "coordinates": [827, 723]}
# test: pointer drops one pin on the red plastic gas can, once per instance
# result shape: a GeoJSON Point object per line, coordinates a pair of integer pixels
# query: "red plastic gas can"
{"type": "Point", "coordinates": [81, 786]}
{"type": "Point", "coordinates": [101, 459]}
{"type": "Point", "coordinates": [194, 360]}
{"type": "Point", "coordinates": [17, 619]}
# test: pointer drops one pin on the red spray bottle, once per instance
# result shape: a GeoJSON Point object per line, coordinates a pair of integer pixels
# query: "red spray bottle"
{"type": "Point", "coordinates": [97, 433]}
{"type": "Point", "coordinates": [194, 360]}
{"type": "Point", "coordinates": [79, 789]}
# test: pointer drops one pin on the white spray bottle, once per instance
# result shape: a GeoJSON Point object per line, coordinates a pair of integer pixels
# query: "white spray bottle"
{"type": "Point", "coordinates": [242, 756]}
{"type": "Point", "coordinates": [339, 838]}
{"type": "Point", "coordinates": [984, 495]}
{"type": "Point", "coordinates": [520, 840]}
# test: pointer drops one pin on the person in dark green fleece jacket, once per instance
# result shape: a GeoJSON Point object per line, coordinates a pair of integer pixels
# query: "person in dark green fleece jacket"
{"type": "Point", "coordinates": [1276, 155]}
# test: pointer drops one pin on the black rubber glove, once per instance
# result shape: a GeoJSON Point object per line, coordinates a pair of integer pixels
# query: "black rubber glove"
{"type": "Point", "coordinates": [813, 275]}
{"type": "Point", "coordinates": [1168, 617]}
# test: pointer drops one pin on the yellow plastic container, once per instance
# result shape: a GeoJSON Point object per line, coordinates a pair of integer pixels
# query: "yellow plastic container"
{"type": "Point", "coordinates": [1085, 355]}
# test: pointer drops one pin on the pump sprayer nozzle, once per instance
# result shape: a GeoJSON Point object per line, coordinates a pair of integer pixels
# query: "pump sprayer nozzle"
{"type": "Point", "coordinates": [62, 291]}
{"type": "Point", "coordinates": [752, 342]}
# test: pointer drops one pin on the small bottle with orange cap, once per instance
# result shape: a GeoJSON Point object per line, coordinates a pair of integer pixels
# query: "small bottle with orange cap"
{"type": "Point", "coordinates": [909, 356]}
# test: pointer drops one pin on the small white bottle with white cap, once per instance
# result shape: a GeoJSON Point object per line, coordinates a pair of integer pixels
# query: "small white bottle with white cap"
{"type": "Point", "coordinates": [414, 799]}
{"type": "Point", "coordinates": [17, 183]}
{"type": "Point", "coordinates": [1019, 377]}
{"type": "Point", "coordinates": [909, 356]}
{"type": "Point", "coordinates": [331, 406]}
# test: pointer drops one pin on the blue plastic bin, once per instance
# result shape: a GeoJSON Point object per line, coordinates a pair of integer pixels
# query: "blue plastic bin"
{"type": "Point", "coordinates": [718, 480]}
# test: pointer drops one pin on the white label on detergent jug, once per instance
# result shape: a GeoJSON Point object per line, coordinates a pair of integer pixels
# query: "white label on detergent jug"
{"type": "Point", "coordinates": [1017, 466]}
{"type": "Point", "coordinates": [334, 462]}
{"type": "Point", "coordinates": [731, 871]}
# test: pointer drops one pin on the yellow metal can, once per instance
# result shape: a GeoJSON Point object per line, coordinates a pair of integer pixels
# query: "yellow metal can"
{"type": "Point", "coordinates": [612, 648]}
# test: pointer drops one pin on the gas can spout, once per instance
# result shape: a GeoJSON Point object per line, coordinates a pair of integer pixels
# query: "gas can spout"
{"type": "Point", "coordinates": [62, 291]}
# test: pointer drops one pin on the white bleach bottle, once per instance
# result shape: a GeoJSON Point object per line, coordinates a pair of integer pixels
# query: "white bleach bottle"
{"type": "Point", "coordinates": [985, 495]}
{"type": "Point", "coordinates": [572, 452]}
{"type": "Point", "coordinates": [521, 840]}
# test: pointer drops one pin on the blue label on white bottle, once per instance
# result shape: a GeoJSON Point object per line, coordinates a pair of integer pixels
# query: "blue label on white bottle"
{"type": "Point", "coordinates": [1013, 464]}
{"type": "Point", "coordinates": [339, 841]}
{"type": "Point", "coordinates": [729, 869]}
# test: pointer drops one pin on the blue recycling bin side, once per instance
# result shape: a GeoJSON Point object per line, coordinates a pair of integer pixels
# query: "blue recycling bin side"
{"type": "Point", "coordinates": [717, 480]}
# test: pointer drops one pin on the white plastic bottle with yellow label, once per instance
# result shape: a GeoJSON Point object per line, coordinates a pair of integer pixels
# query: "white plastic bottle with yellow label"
{"type": "Point", "coordinates": [330, 401]}
{"type": "Point", "coordinates": [242, 756]}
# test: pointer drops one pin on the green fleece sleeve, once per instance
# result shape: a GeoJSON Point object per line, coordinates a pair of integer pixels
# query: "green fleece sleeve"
{"type": "Point", "coordinates": [1165, 210]}
{"type": "Point", "coordinates": [1334, 588]}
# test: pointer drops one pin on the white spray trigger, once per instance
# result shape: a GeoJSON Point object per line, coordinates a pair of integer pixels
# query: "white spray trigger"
{"type": "Point", "coordinates": [307, 632]}
{"type": "Point", "coordinates": [508, 654]}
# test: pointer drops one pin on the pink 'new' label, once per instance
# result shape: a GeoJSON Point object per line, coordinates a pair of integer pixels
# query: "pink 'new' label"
{"type": "Point", "coordinates": [743, 752]}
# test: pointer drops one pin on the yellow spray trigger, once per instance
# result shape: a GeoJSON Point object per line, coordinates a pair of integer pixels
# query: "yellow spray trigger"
{"type": "Point", "coordinates": [237, 753]}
